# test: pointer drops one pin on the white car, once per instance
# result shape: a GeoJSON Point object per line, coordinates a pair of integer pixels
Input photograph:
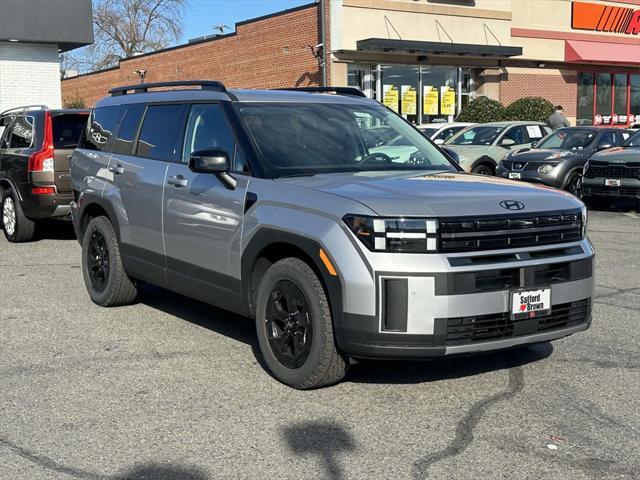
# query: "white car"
{"type": "Point", "coordinates": [441, 132]}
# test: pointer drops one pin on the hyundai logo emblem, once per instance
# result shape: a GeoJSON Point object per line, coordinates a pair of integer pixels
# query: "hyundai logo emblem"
{"type": "Point", "coordinates": [512, 205]}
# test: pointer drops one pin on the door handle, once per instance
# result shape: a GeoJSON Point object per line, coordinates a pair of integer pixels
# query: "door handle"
{"type": "Point", "coordinates": [117, 169]}
{"type": "Point", "coordinates": [178, 181]}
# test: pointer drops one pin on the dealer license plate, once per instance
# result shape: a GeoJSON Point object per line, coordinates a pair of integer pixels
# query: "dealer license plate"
{"type": "Point", "coordinates": [530, 303]}
{"type": "Point", "coordinates": [612, 182]}
{"type": "Point", "coordinates": [515, 175]}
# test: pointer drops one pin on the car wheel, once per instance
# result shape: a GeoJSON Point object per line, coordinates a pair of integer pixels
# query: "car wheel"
{"type": "Point", "coordinates": [483, 169]}
{"type": "Point", "coordinates": [295, 329]}
{"type": "Point", "coordinates": [17, 228]}
{"type": "Point", "coordinates": [104, 276]}
{"type": "Point", "coordinates": [574, 185]}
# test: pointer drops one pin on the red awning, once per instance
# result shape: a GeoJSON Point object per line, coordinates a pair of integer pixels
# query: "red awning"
{"type": "Point", "coordinates": [599, 52]}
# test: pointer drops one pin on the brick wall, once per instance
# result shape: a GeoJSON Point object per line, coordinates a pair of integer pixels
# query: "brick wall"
{"type": "Point", "coordinates": [559, 86]}
{"type": "Point", "coordinates": [29, 74]}
{"type": "Point", "coordinates": [267, 52]}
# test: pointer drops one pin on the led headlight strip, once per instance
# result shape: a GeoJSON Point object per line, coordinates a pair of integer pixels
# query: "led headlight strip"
{"type": "Point", "coordinates": [401, 235]}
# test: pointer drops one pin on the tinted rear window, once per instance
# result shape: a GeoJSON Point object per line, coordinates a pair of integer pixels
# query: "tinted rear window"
{"type": "Point", "coordinates": [128, 128]}
{"type": "Point", "coordinates": [159, 133]}
{"type": "Point", "coordinates": [67, 130]}
{"type": "Point", "coordinates": [101, 126]}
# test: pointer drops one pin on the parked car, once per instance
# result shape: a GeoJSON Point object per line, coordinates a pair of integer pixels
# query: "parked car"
{"type": "Point", "coordinates": [35, 146]}
{"type": "Point", "coordinates": [441, 132]}
{"type": "Point", "coordinates": [558, 159]}
{"type": "Point", "coordinates": [482, 146]}
{"type": "Point", "coordinates": [271, 205]}
{"type": "Point", "coordinates": [614, 173]}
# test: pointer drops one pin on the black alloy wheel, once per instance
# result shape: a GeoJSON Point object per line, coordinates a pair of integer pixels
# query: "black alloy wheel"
{"type": "Point", "coordinates": [574, 186]}
{"type": "Point", "coordinates": [98, 261]}
{"type": "Point", "coordinates": [288, 324]}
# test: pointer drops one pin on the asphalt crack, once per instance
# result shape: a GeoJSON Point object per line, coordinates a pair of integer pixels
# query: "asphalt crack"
{"type": "Point", "coordinates": [50, 464]}
{"type": "Point", "coordinates": [466, 426]}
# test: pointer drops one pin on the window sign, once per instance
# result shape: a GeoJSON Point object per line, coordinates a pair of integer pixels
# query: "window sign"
{"type": "Point", "coordinates": [390, 98]}
{"type": "Point", "coordinates": [447, 101]}
{"type": "Point", "coordinates": [534, 131]}
{"type": "Point", "coordinates": [430, 100]}
{"type": "Point", "coordinates": [409, 105]}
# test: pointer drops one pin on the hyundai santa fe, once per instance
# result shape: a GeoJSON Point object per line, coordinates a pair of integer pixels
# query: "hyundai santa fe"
{"type": "Point", "coordinates": [280, 206]}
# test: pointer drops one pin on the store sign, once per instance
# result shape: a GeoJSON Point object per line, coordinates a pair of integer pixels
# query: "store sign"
{"type": "Point", "coordinates": [429, 100]}
{"type": "Point", "coordinates": [409, 98]}
{"type": "Point", "coordinates": [390, 96]}
{"type": "Point", "coordinates": [447, 101]}
{"type": "Point", "coordinates": [605, 18]}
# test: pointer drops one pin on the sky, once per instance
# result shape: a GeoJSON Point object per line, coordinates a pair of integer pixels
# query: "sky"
{"type": "Point", "coordinates": [202, 15]}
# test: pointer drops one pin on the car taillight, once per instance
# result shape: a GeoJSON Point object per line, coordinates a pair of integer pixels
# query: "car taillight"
{"type": "Point", "coordinates": [42, 160]}
{"type": "Point", "coordinates": [43, 191]}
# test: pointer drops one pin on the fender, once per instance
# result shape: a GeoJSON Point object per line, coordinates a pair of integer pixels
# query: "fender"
{"type": "Point", "coordinates": [85, 201]}
{"type": "Point", "coordinates": [484, 159]}
{"type": "Point", "coordinates": [12, 184]}
{"type": "Point", "coordinates": [266, 236]}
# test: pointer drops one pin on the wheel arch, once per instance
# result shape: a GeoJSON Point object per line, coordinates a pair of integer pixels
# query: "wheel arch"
{"type": "Point", "coordinates": [267, 246]}
{"type": "Point", "coordinates": [92, 207]}
{"type": "Point", "coordinates": [6, 183]}
{"type": "Point", "coordinates": [484, 160]}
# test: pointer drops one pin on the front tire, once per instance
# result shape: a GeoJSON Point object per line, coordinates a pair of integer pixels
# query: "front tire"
{"type": "Point", "coordinates": [17, 228]}
{"type": "Point", "coordinates": [104, 276]}
{"type": "Point", "coordinates": [295, 328]}
{"type": "Point", "coordinates": [574, 185]}
{"type": "Point", "coordinates": [483, 169]}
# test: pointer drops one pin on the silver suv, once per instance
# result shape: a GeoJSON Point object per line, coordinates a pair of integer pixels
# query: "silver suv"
{"type": "Point", "coordinates": [329, 219]}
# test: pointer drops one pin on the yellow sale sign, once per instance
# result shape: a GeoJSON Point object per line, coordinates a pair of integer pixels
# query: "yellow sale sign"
{"type": "Point", "coordinates": [390, 97]}
{"type": "Point", "coordinates": [409, 106]}
{"type": "Point", "coordinates": [429, 100]}
{"type": "Point", "coordinates": [447, 101]}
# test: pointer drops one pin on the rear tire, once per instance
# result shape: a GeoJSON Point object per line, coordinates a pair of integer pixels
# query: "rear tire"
{"type": "Point", "coordinates": [295, 328]}
{"type": "Point", "coordinates": [104, 276]}
{"type": "Point", "coordinates": [16, 227]}
{"type": "Point", "coordinates": [483, 169]}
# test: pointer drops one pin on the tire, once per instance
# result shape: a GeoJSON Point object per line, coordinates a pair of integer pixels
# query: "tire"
{"type": "Point", "coordinates": [483, 169]}
{"type": "Point", "coordinates": [16, 227]}
{"type": "Point", "coordinates": [318, 363]}
{"type": "Point", "coordinates": [104, 276]}
{"type": "Point", "coordinates": [574, 184]}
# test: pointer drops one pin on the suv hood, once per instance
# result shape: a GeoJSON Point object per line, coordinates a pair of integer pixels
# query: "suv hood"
{"type": "Point", "coordinates": [442, 194]}
{"type": "Point", "coordinates": [618, 155]}
{"type": "Point", "coordinates": [540, 154]}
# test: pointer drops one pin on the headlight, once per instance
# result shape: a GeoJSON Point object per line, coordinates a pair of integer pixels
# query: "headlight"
{"type": "Point", "coordinates": [398, 235]}
{"type": "Point", "coordinates": [560, 154]}
{"type": "Point", "coordinates": [545, 169]}
{"type": "Point", "coordinates": [585, 168]}
{"type": "Point", "coordinates": [585, 217]}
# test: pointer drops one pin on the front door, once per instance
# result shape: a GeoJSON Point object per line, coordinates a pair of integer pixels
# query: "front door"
{"type": "Point", "coordinates": [202, 216]}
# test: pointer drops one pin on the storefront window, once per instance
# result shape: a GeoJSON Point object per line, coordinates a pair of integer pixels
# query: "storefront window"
{"type": "Point", "coordinates": [620, 98]}
{"type": "Point", "coordinates": [585, 99]}
{"type": "Point", "coordinates": [400, 90]}
{"type": "Point", "coordinates": [439, 97]}
{"type": "Point", "coordinates": [603, 99]}
{"type": "Point", "coordinates": [634, 99]}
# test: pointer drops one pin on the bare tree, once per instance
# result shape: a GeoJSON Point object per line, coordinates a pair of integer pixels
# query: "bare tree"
{"type": "Point", "coordinates": [125, 28]}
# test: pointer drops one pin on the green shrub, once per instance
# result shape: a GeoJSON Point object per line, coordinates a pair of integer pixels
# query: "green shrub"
{"type": "Point", "coordinates": [482, 110]}
{"type": "Point", "coordinates": [530, 109]}
{"type": "Point", "coordinates": [74, 103]}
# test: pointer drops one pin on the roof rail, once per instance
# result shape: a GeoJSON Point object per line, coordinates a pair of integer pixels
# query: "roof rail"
{"type": "Point", "coordinates": [353, 91]}
{"type": "Point", "coordinates": [25, 108]}
{"type": "Point", "coordinates": [144, 87]}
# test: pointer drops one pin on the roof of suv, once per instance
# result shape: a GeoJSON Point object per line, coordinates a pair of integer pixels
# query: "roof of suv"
{"type": "Point", "coordinates": [509, 123]}
{"type": "Point", "coordinates": [232, 95]}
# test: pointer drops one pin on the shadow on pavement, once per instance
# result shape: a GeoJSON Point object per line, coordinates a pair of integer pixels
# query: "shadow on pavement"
{"type": "Point", "coordinates": [55, 230]}
{"type": "Point", "coordinates": [627, 205]}
{"type": "Point", "coordinates": [408, 372]}
{"type": "Point", "coordinates": [162, 472]}
{"type": "Point", "coordinates": [325, 440]}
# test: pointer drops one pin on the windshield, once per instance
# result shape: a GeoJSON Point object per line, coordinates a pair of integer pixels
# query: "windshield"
{"type": "Point", "coordinates": [568, 140]}
{"type": "Point", "coordinates": [633, 141]}
{"type": "Point", "coordinates": [312, 138]}
{"type": "Point", "coordinates": [481, 135]}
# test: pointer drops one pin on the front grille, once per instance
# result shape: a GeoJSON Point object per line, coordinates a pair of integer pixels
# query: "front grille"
{"type": "Point", "coordinates": [612, 171]}
{"type": "Point", "coordinates": [516, 231]}
{"type": "Point", "coordinates": [498, 326]}
{"type": "Point", "coordinates": [612, 191]}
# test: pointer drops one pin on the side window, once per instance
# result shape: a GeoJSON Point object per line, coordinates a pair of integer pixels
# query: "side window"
{"type": "Point", "coordinates": [516, 134]}
{"type": "Point", "coordinates": [5, 123]}
{"type": "Point", "coordinates": [21, 132]}
{"type": "Point", "coordinates": [101, 126]}
{"type": "Point", "coordinates": [447, 133]}
{"type": "Point", "coordinates": [128, 128]}
{"type": "Point", "coordinates": [621, 137]}
{"type": "Point", "coordinates": [207, 127]}
{"type": "Point", "coordinates": [159, 133]}
{"type": "Point", "coordinates": [606, 138]}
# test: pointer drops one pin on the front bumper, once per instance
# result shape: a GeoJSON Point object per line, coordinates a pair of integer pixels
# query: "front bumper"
{"type": "Point", "coordinates": [466, 309]}
{"type": "Point", "coordinates": [595, 187]}
{"type": "Point", "coordinates": [532, 176]}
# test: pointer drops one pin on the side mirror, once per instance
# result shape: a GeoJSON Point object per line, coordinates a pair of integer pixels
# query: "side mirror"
{"type": "Point", "coordinates": [214, 161]}
{"type": "Point", "coordinates": [604, 146]}
{"type": "Point", "coordinates": [534, 143]}
{"type": "Point", "coordinates": [507, 142]}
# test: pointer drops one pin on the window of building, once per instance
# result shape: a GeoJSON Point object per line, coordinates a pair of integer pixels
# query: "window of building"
{"type": "Point", "coordinates": [160, 129]}
{"type": "Point", "coordinates": [634, 97]}
{"type": "Point", "coordinates": [585, 99]}
{"type": "Point", "coordinates": [608, 98]}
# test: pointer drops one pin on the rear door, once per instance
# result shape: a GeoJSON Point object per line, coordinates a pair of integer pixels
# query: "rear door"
{"type": "Point", "coordinates": [66, 129]}
{"type": "Point", "coordinates": [141, 155]}
{"type": "Point", "coordinates": [202, 216]}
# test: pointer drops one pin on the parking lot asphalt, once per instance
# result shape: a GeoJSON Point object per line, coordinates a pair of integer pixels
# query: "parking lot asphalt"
{"type": "Point", "coordinates": [171, 388]}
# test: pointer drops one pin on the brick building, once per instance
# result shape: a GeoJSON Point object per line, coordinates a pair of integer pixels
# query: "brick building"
{"type": "Point", "coordinates": [31, 36]}
{"type": "Point", "coordinates": [424, 58]}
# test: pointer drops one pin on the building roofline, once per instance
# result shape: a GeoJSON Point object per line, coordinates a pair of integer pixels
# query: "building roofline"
{"type": "Point", "coordinates": [199, 42]}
